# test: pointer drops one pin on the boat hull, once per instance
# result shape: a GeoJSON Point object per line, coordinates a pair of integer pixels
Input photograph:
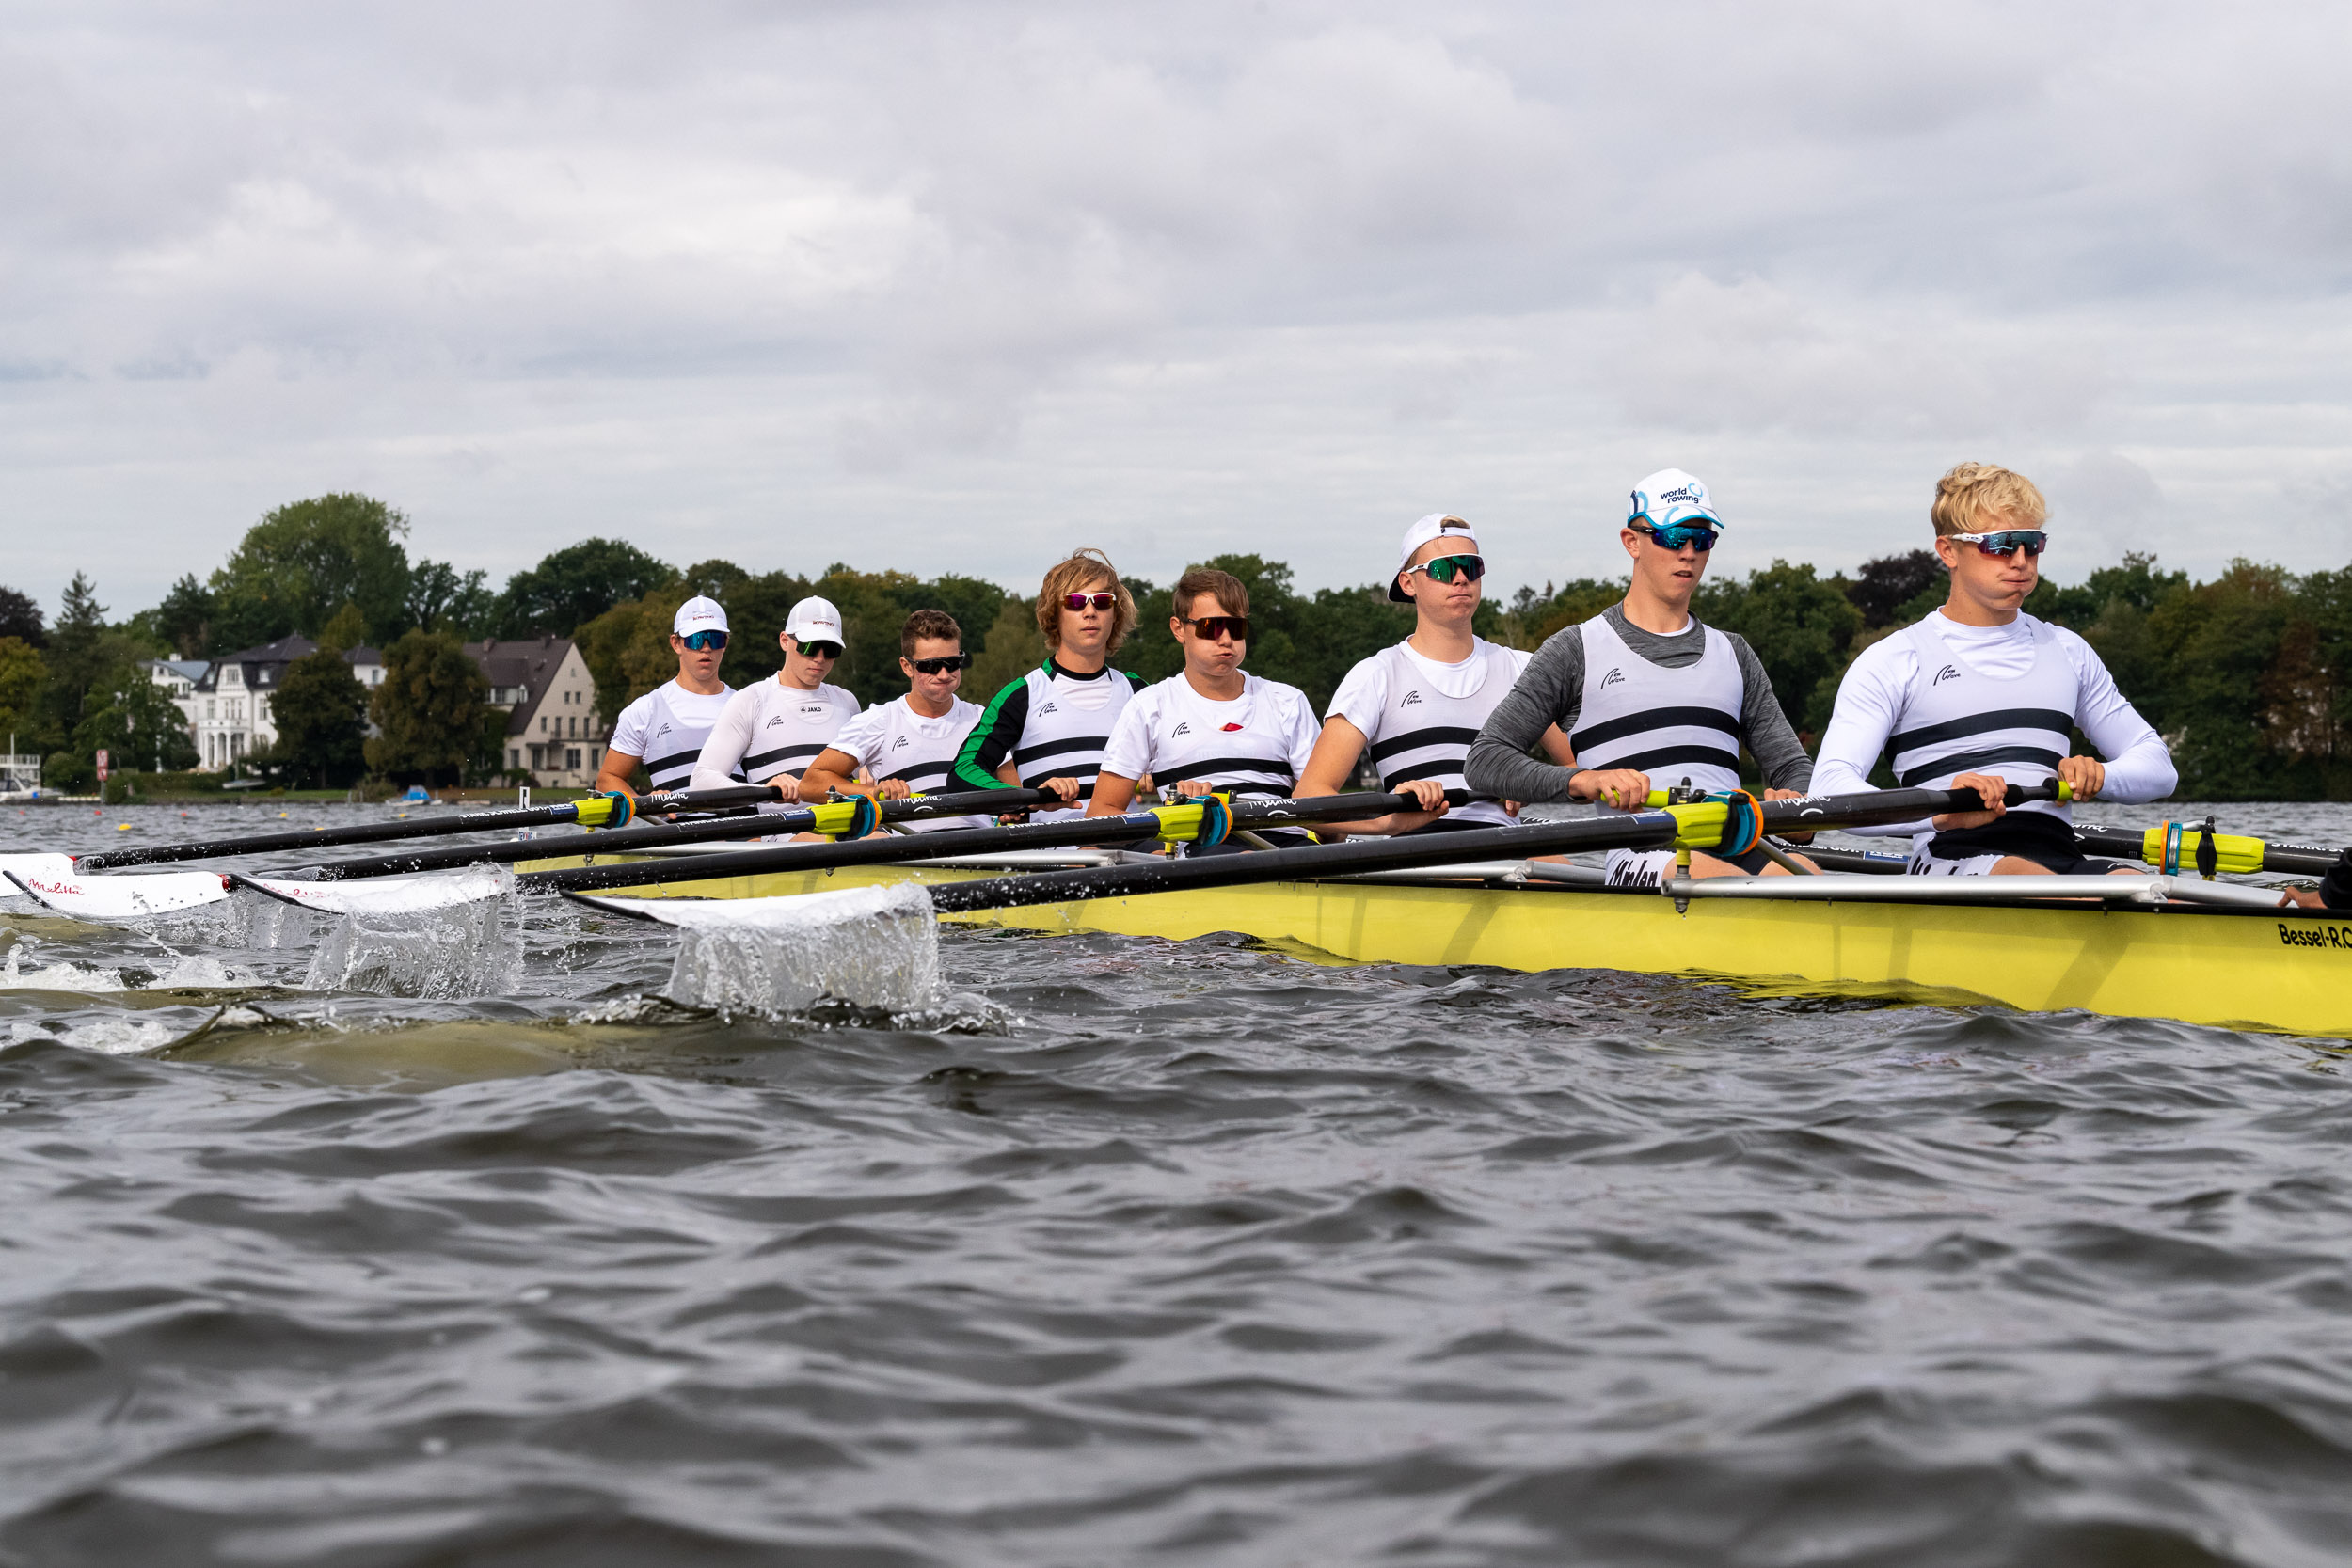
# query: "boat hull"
{"type": "Point", "coordinates": [2231, 968]}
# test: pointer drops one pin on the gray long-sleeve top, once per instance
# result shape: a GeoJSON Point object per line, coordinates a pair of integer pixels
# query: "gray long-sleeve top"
{"type": "Point", "coordinates": [1552, 691]}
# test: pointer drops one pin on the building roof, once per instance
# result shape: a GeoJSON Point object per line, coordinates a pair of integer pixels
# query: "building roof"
{"type": "Point", "coordinates": [528, 665]}
{"type": "Point", "coordinates": [186, 669]}
{"type": "Point", "coordinates": [263, 664]}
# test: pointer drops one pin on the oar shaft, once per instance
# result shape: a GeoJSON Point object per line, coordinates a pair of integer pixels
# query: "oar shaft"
{"type": "Point", "coordinates": [626, 840]}
{"type": "Point", "coordinates": [1646, 830]}
{"type": "Point", "coordinates": [2234, 852]}
{"type": "Point", "coordinates": [1250, 812]}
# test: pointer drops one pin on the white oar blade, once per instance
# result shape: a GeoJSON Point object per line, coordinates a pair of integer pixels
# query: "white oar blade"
{"type": "Point", "coordinates": [872, 947]}
{"type": "Point", "coordinates": [120, 900]}
{"type": "Point", "coordinates": [49, 868]}
{"type": "Point", "coordinates": [389, 896]}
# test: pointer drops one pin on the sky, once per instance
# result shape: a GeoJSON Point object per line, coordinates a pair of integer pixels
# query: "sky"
{"type": "Point", "coordinates": [952, 287]}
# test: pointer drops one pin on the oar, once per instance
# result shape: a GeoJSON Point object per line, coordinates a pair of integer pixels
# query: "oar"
{"type": "Point", "coordinates": [1710, 825]}
{"type": "Point", "coordinates": [1197, 821]}
{"type": "Point", "coordinates": [2176, 847]}
{"type": "Point", "coordinates": [597, 811]}
{"type": "Point", "coordinates": [835, 818]}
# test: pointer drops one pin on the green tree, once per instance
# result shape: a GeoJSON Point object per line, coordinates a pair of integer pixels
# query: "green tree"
{"type": "Point", "coordinates": [302, 562]}
{"type": "Point", "coordinates": [24, 677]}
{"type": "Point", "coordinates": [574, 586]}
{"type": "Point", "coordinates": [2219, 642]}
{"type": "Point", "coordinates": [21, 618]}
{"type": "Point", "coordinates": [1884, 587]}
{"type": "Point", "coordinates": [136, 721]}
{"type": "Point", "coordinates": [433, 709]}
{"type": "Point", "coordinates": [1800, 626]}
{"type": "Point", "coordinates": [78, 655]}
{"type": "Point", "coordinates": [185, 619]}
{"type": "Point", "coordinates": [1013, 647]}
{"type": "Point", "coordinates": [321, 711]}
{"type": "Point", "coordinates": [441, 599]}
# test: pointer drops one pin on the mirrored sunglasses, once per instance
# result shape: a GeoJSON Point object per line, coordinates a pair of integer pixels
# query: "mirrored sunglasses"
{"type": "Point", "coordinates": [1673, 536]}
{"type": "Point", "coordinates": [1215, 626]}
{"type": "Point", "coordinates": [700, 641]}
{"type": "Point", "coordinates": [1445, 568]}
{"type": "Point", "coordinates": [820, 650]}
{"type": "Point", "coordinates": [1103, 602]}
{"type": "Point", "coordinates": [2033, 541]}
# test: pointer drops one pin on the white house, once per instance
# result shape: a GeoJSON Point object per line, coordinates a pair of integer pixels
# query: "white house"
{"type": "Point", "coordinates": [227, 700]}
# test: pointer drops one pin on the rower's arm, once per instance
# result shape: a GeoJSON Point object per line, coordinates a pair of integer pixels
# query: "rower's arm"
{"type": "Point", "coordinates": [1764, 729]}
{"type": "Point", "coordinates": [834, 771]}
{"type": "Point", "coordinates": [1870, 699]}
{"type": "Point", "coordinates": [1112, 795]}
{"type": "Point", "coordinates": [2139, 765]}
{"type": "Point", "coordinates": [985, 759]}
{"type": "Point", "coordinates": [1549, 695]}
{"type": "Point", "coordinates": [722, 756]}
{"type": "Point", "coordinates": [617, 770]}
{"type": "Point", "coordinates": [1327, 773]}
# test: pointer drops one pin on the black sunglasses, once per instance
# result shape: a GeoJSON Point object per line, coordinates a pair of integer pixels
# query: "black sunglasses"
{"type": "Point", "coordinates": [940, 666]}
{"type": "Point", "coordinates": [1215, 626]}
{"type": "Point", "coordinates": [819, 650]}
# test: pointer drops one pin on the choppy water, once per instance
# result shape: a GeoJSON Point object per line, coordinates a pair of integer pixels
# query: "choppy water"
{"type": "Point", "coordinates": [1136, 1252]}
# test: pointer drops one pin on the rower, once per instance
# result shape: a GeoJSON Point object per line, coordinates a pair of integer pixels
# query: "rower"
{"type": "Point", "coordinates": [1980, 686]}
{"type": "Point", "coordinates": [770, 731]}
{"type": "Point", "coordinates": [1418, 705]}
{"type": "Point", "coordinates": [907, 745]}
{"type": "Point", "coordinates": [1211, 726]}
{"type": "Point", "coordinates": [663, 731]}
{"type": "Point", "coordinates": [1047, 730]}
{"type": "Point", "coordinates": [1644, 689]}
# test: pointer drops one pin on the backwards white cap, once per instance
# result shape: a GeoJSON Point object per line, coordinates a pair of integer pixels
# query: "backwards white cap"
{"type": "Point", "coordinates": [1669, 497]}
{"type": "Point", "coordinates": [814, 620]}
{"type": "Point", "coordinates": [1437, 525]}
{"type": "Point", "coordinates": [699, 615]}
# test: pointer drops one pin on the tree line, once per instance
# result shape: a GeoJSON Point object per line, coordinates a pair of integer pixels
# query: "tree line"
{"type": "Point", "coordinates": [2249, 674]}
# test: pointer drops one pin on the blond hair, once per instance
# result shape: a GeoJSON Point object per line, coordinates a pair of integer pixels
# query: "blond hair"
{"type": "Point", "coordinates": [1085, 567]}
{"type": "Point", "coordinates": [1972, 492]}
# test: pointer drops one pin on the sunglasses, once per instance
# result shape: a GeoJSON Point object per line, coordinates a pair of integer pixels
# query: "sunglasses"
{"type": "Point", "coordinates": [1103, 602]}
{"type": "Point", "coordinates": [2033, 541]}
{"type": "Point", "coordinates": [1215, 626]}
{"type": "Point", "coordinates": [1675, 535]}
{"type": "Point", "coordinates": [700, 641]}
{"type": "Point", "coordinates": [941, 666]}
{"type": "Point", "coordinates": [819, 650]}
{"type": "Point", "coordinates": [1445, 568]}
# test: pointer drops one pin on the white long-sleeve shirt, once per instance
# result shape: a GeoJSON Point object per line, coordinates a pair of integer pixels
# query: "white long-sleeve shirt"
{"type": "Point", "coordinates": [1873, 697]}
{"type": "Point", "coordinates": [769, 728]}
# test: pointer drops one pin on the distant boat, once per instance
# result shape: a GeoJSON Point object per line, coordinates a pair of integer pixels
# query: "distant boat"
{"type": "Point", "coordinates": [417, 796]}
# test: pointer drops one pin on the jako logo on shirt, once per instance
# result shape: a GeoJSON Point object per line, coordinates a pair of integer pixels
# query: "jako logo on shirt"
{"type": "Point", "coordinates": [1612, 678]}
{"type": "Point", "coordinates": [1181, 729]}
{"type": "Point", "coordinates": [1410, 698]}
{"type": "Point", "coordinates": [1949, 672]}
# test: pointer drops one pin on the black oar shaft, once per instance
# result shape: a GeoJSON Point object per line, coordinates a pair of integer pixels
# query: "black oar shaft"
{"type": "Point", "coordinates": [1250, 814]}
{"type": "Point", "coordinates": [628, 840]}
{"type": "Point", "coordinates": [726, 798]}
{"type": "Point", "coordinates": [1648, 830]}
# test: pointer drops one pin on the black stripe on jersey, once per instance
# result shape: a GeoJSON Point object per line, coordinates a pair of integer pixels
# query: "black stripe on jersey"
{"type": "Point", "coordinates": [676, 759]}
{"type": "Point", "coordinates": [935, 771]}
{"type": "Point", "coordinates": [1026, 755]}
{"type": "Point", "coordinates": [1969, 762]}
{"type": "Point", "coordinates": [1207, 766]}
{"type": "Point", "coordinates": [1436, 768]}
{"type": "Point", "coordinates": [1437, 735]}
{"type": "Point", "coordinates": [1654, 718]}
{"type": "Point", "coordinates": [2061, 724]}
{"type": "Point", "coordinates": [1666, 757]}
{"type": "Point", "coordinates": [785, 753]}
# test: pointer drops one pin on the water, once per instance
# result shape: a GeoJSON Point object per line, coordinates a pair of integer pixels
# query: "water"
{"type": "Point", "coordinates": [1119, 1251]}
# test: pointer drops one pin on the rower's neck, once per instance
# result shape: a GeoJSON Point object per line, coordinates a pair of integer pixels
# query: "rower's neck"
{"type": "Point", "coordinates": [808, 682]}
{"type": "Point", "coordinates": [1654, 612]}
{"type": "Point", "coordinates": [1225, 690]}
{"type": "Point", "coordinates": [1969, 613]}
{"type": "Point", "coordinates": [1442, 641]}
{"type": "Point", "coordinates": [916, 705]}
{"type": "Point", "coordinates": [702, 688]}
{"type": "Point", "coordinates": [1074, 662]}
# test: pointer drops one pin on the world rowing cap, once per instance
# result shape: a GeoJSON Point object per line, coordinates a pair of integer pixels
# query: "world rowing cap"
{"type": "Point", "coordinates": [814, 620]}
{"type": "Point", "coordinates": [1437, 525]}
{"type": "Point", "coordinates": [1669, 497]}
{"type": "Point", "coordinates": [699, 615]}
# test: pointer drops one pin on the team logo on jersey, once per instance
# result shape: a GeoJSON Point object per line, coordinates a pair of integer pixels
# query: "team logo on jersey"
{"type": "Point", "coordinates": [1181, 729]}
{"type": "Point", "coordinates": [1949, 672]}
{"type": "Point", "coordinates": [1410, 698]}
{"type": "Point", "coordinates": [662, 730]}
{"type": "Point", "coordinates": [1612, 678]}
{"type": "Point", "coordinates": [896, 744]}
{"type": "Point", "coordinates": [773, 722]}
{"type": "Point", "coordinates": [1046, 709]}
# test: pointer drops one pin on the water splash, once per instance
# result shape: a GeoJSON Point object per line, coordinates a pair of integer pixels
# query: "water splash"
{"type": "Point", "coordinates": [873, 948]}
{"type": "Point", "coordinates": [473, 949]}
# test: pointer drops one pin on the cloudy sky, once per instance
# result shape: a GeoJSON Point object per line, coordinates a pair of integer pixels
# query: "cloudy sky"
{"type": "Point", "coordinates": [951, 286]}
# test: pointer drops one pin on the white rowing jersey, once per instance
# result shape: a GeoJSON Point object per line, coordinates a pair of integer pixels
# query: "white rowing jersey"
{"type": "Point", "coordinates": [1256, 744]}
{"type": "Point", "coordinates": [1052, 724]}
{"type": "Point", "coordinates": [890, 740]}
{"type": "Point", "coordinates": [1671, 725]}
{"type": "Point", "coordinates": [771, 730]}
{"type": "Point", "coordinates": [1417, 717]}
{"type": "Point", "coordinates": [665, 729]}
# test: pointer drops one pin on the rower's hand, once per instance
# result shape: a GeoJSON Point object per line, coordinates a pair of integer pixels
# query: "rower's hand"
{"type": "Point", "coordinates": [1187, 788]}
{"type": "Point", "coordinates": [787, 788]}
{"type": "Point", "coordinates": [1510, 808]}
{"type": "Point", "coordinates": [1789, 795]}
{"type": "Point", "coordinates": [2300, 899]}
{"type": "Point", "coordinates": [1992, 786]}
{"type": "Point", "coordinates": [1621, 787]}
{"type": "Point", "coordinates": [894, 789]}
{"type": "Point", "coordinates": [1067, 789]}
{"type": "Point", "coordinates": [1429, 792]}
{"type": "Point", "coordinates": [2086, 775]}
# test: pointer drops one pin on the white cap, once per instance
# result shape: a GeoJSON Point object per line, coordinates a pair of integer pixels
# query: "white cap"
{"type": "Point", "coordinates": [1669, 497]}
{"type": "Point", "coordinates": [699, 615]}
{"type": "Point", "coordinates": [1423, 531]}
{"type": "Point", "coordinates": [814, 620]}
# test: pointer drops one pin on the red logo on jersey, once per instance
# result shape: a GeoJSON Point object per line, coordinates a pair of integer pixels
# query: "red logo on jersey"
{"type": "Point", "coordinates": [1231, 727]}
